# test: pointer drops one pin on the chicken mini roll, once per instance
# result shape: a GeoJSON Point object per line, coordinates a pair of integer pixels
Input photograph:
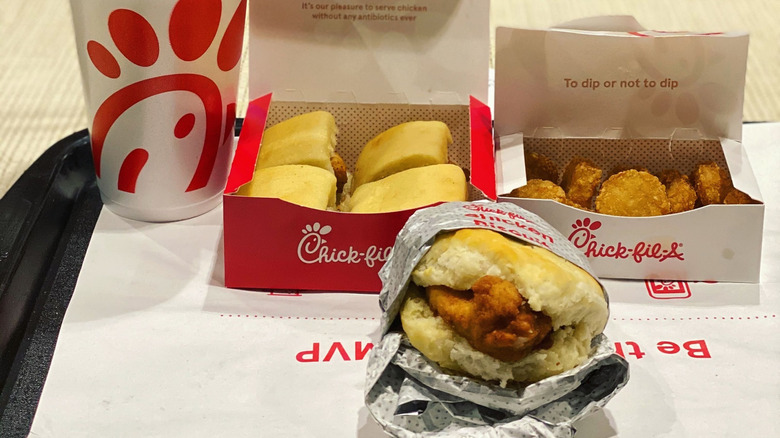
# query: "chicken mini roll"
{"type": "Point", "coordinates": [402, 147]}
{"type": "Point", "coordinates": [308, 139]}
{"type": "Point", "coordinates": [411, 188]}
{"type": "Point", "coordinates": [299, 184]}
{"type": "Point", "coordinates": [491, 307]}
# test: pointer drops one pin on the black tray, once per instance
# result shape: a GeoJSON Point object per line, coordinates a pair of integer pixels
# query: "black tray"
{"type": "Point", "coordinates": [46, 223]}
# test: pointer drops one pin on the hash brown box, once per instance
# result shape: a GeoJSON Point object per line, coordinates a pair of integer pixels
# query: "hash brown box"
{"type": "Point", "coordinates": [608, 90]}
{"type": "Point", "coordinates": [371, 71]}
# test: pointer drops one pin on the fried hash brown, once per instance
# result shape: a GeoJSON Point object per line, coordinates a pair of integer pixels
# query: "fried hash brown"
{"type": "Point", "coordinates": [580, 181]}
{"type": "Point", "coordinates": [538, 166]}
{"type": "Point", "coordinates": [711, 183]}
{"type": "Point", "coordinates": [540, 189]}
{"type": "Point", "coordinates": [682, 196]}
{"type": "Point", "coordinates": [668, 175]}
{"type": "Point", "coordinates": [573, 204]}
{"type": "Point", "coordinates": [624, 167]}
{"type": "Point", "coordinates": [636, 192]}
{"type": "Point", "coordinates": [493, 317]}
{"type": "Point", "coordinates": [736, 196]}
{"type": "Point", "coordinates": [632, 193]}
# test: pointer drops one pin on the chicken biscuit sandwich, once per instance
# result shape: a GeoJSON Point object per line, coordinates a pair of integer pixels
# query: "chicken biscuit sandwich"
{"type": "Point", "coordinates": [489, 306]}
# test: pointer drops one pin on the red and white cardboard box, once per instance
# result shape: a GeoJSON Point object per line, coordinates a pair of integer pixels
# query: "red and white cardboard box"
{"type": "Point", "coordinates": [373, 64]}
{"type": "Point", "coordinates": [608, 90]}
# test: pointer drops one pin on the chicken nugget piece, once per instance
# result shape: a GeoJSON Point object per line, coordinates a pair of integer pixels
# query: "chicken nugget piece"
{"type": "Point", "coordinates": [493, 317]}
{"type": "Point", "coordinates": [539, 166]}
{"type": "Point", "coordinates": [540, 189]}
{"type": "Point", "coordinates": [580, 180]}
{"type": "Point", "coordinates": [736, 196]}
{"type": "Point", "coordinates": [632, 193]}
{"type": "Point", "coordinates": [340, 170]}
{"type": "Point", "coordinates": [682, 196]}
{"type": "Point", "coordinates": [711, 183]}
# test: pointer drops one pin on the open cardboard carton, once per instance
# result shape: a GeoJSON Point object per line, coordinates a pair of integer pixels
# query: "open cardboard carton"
{"type": "Point", "coordinates": [608, 90]}
{"type": "Point", "coordinates": [373, 65]}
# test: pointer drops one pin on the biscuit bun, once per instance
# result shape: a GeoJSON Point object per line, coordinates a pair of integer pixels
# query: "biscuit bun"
{"type": "Point", "coordinates": [572, 299]}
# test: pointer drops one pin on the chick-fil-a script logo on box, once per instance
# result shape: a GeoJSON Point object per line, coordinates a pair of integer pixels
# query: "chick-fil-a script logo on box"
{"type": "Point", "coordinates": [584, 238]}
{"type": "Point", "coordinates": [314, 248]}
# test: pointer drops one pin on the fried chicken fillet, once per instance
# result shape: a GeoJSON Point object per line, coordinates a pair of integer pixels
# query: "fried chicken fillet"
{"type": "Point", "coordinates": [493, 317]}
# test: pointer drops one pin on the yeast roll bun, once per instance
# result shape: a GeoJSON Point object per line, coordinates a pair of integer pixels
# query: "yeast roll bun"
{"type": "Point", "coordinates": [411, 188]}
{"type": "Point", "coordinates": [307, 186]}
{"type": "Point", "coordinates": [308, 139]}
{"type": "Point", "coordinates": [402, 147]}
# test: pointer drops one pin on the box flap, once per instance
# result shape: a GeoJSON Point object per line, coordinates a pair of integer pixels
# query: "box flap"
{"type": "Point", "coordinates": [584, 83]}
{"type": "Point", "coordinates": [370, 51]}
{"type": "Point", "coordinates": [609, 23]}
{"type": "Point", "coordinates": [741, 171]}
{"type": "Point", "coordinates": [483, 173]}
{"type": "Point", "coordinates": [243, 168]}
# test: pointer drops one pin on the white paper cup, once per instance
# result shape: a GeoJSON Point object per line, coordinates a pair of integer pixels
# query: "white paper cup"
{"type": "Point", "coordinates": [160, 82]}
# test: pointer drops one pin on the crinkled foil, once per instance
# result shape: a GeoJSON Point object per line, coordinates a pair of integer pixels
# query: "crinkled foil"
{"type": "Point", "coordinates": [410, 396]}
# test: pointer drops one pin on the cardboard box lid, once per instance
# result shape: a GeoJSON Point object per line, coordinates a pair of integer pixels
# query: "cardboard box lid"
{"type": "Point", "coordinates": [606, 75]}
{"type": "Point", "coordinates": [370, 51]}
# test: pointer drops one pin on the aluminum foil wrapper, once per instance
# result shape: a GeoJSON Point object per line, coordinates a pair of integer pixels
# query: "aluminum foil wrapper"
{"type": "Point", "coordinates": [411, 396]}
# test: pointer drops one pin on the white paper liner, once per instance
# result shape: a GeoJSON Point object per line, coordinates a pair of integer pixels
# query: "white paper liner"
{"type": "Point", "coordinates": [410, 395]}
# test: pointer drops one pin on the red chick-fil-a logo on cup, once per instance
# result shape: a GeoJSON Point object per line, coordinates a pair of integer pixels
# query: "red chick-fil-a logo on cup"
{"type": "Point", "coordinates": [313, 248]}
{"type": "Point", "coordinates": [584, 238]}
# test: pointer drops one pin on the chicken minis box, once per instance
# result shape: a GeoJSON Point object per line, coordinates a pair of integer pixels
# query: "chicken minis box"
{"type": "Point", "coordinates": [361, 112]}
{"type": "Point", "coordinates": [629, 142]}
